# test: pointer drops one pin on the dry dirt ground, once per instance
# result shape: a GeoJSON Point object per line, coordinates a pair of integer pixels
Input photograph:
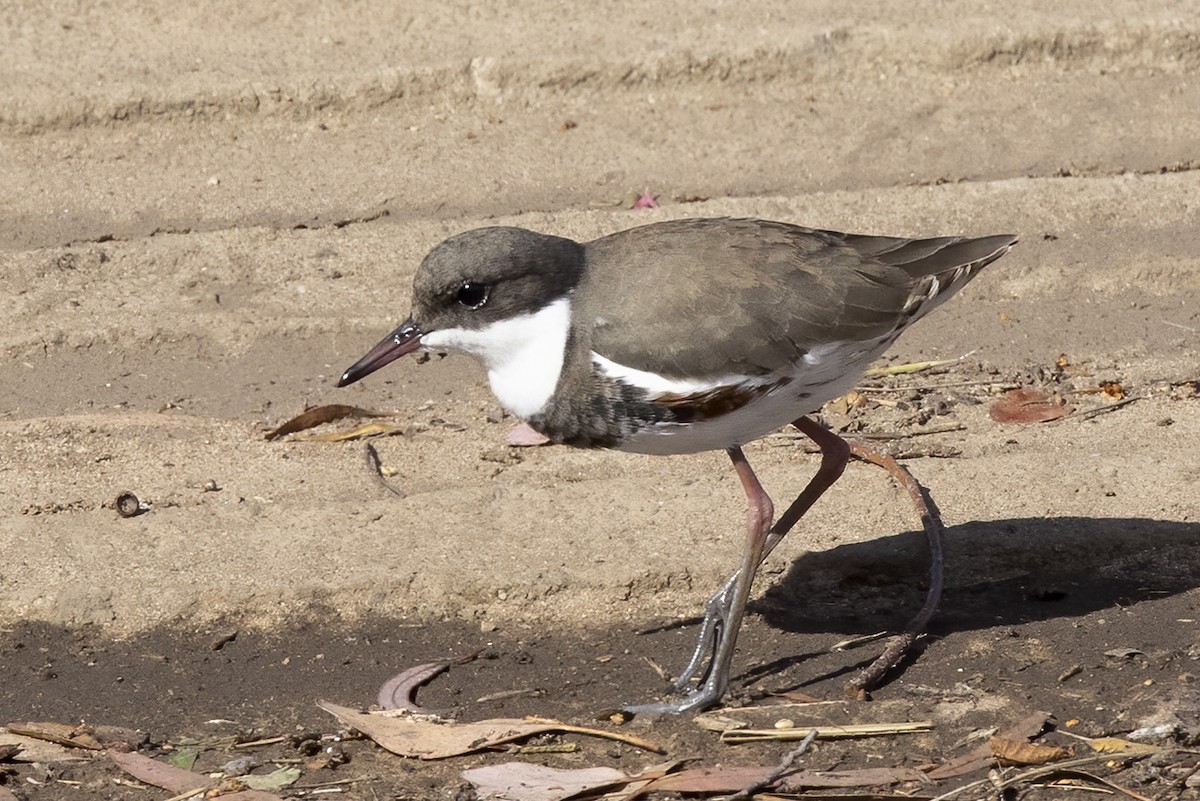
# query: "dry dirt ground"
{"type": "Point", "coordinates": [208, 211]}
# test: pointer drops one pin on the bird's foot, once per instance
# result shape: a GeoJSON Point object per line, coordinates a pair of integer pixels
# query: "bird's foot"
{"type": "Point", "coordinates": [696, 700]}
{"type": "Point", "coordinates": [708, 639]}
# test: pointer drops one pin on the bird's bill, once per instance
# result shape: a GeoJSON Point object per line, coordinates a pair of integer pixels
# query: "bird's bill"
{"type": "Point", "coordinates": [402, 341]}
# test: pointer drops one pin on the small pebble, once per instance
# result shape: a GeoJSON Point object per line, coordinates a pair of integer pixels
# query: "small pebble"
{"type": "Point", "coordinates": [240, 766]}
{"type": "Point", "coordinates": [785, 723]}
{"type": "Point", "coordinates": [1150, 733]}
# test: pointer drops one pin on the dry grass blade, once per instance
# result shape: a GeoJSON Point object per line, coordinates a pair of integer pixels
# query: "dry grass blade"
{"type": "Point", "coordinates": [363, 431]}
{"type": "Point", "coordinates": [1112, 407]}
{"type": "Point", "coordinates": [1100, 780]}
{"type": "Point", "coordinates": [825, 732]}
{"type": "Point", "coordinates": [912, 367]}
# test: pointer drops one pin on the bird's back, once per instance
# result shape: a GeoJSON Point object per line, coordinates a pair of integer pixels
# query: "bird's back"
{"type": "Point", "coordinates": [755, 296]}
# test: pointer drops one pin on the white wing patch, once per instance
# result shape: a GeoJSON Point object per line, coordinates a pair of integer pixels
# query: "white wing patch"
{"type": "Point", "coordinates": [654, 384]}
{"type": "Point", "coordinates": [523, 355]}
{"type": "Point", "coordinates": [824, 373]}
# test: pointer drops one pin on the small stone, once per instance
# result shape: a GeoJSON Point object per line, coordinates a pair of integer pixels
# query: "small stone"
{"type": "Point", "coordinates": [1160, 731]}
{"type": "Point", "coordinates": [785, 723]}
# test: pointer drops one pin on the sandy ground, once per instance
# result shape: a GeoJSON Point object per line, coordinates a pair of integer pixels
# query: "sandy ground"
{"type": "Point", "coordinates": [207, 213]}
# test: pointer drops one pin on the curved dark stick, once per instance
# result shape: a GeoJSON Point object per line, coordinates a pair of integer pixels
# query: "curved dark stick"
{"type": "Point", "coordinates": [931, 520]}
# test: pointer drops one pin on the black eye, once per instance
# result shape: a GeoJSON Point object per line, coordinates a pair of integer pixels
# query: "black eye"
{"type": "Point", "coordinates": [473, 295]}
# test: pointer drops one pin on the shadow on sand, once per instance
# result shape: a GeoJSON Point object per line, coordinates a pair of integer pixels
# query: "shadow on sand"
{"type": "Point", "coordinates": [1001, 572]}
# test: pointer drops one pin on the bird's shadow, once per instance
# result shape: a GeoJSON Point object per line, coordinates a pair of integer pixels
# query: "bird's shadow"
{"type": "Point", "coordinates": [1001, 572]}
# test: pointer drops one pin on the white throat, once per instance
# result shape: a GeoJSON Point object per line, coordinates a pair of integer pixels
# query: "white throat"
{"type": "Point", "coordinates": [523, 355]}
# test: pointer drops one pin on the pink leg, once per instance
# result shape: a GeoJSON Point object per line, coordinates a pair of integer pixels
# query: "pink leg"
{"type": "Point", "coordinates": [728, 618]}
{"type": "Point", "coordinates": [931, 520]}
{"type": "Point", "coordinates": [835, 453]}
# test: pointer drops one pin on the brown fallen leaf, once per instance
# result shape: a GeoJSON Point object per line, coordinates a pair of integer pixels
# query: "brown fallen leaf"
{"type": "Point", "coordinates": [980, 758]}
{"type": "Point", "coordinates": [733, 778]}
{"type": "Point", "coordinates": [160, 774]}
{"type": "Point", "coordinates": [639, 783]}
{"type": "Point", "coordinates": [427, 739]}
{"type": "Point", "coordinates": [178, 780]}
{"type": "Point", "coordinates": [525, 781]}
{"type": "Point", "coordinates": [319, 415]}
{"type": "Point", "coordinates": [1027, 405]}
{"type": "Point", "coordinates": [1022, 752]}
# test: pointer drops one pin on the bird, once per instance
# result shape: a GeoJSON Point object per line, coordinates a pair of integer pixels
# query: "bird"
{"type": "Point", "coordinates": [680, 337]}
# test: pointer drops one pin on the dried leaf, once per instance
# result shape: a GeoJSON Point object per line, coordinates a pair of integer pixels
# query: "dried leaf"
{"type": "Point", "coordinates": [1026, 405]}
{"type": "Point", "coordinates": [1113, 389]}
{"type": "Point", "coordinates": [35, 750]}
{"type": "Point", "coordinates": [319, 415]}
{"type": "Point", "coordinates": [1115, 745]}
{"type": "Point", "coordinates": [715, 779]}
{"type": "Point", "coordinates": [184, 758]}
{"type": "Point", "coordinates": [437, 740]}
{"type": "Point", "coordinates": [722, 779]}
{"type": "Point", "coordinates": [160, 774]}
{"type": "Point", "coordinates": [524, 781]}
{"type": "Point", "coordinates": [275, 780]}
{"type": "Point", "coordinates": [58, 733]}
{"type": "Point", "coordinates": [980, 758]}
{"type": "Point", "coordinates": [639, 783]}
{"type": "Point", "coordinates": [1022, 752]}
